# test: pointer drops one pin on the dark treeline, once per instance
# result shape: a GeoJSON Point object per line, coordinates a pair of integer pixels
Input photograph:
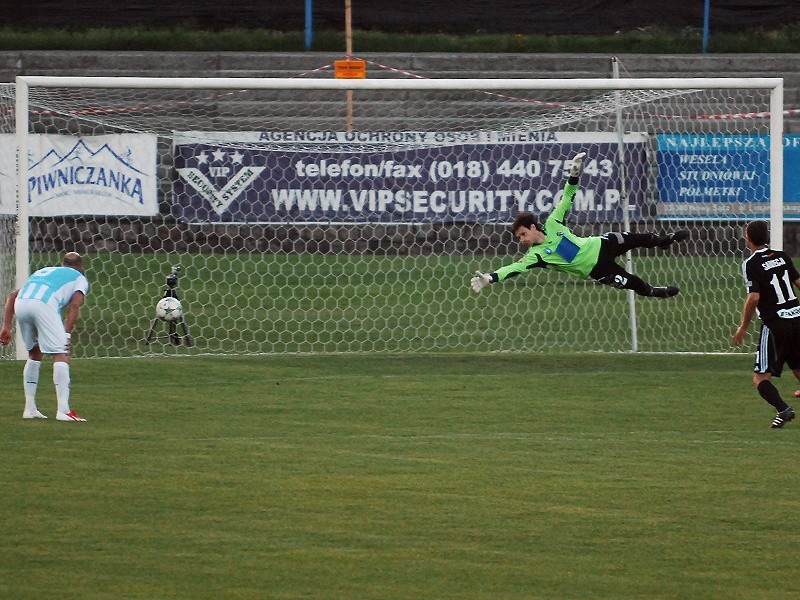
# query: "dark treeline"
{"type": "Point", "coordinates": [549, 17]}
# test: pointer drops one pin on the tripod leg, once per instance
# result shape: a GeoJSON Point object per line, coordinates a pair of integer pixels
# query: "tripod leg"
{"type": "Point", "coordinates": [150, 333]}
{"type": "Point", "coordinates": [187, 339]}
{"type": "Point", "coordinates": [173, 334]}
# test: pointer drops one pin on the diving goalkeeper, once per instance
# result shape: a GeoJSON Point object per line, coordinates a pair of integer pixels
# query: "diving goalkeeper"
{"type": "Point", "coordinates": [554, 246]}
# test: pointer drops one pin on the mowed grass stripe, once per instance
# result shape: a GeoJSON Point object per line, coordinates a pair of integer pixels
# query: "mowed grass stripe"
{"type": "Point", "coordinates": [400, 476]}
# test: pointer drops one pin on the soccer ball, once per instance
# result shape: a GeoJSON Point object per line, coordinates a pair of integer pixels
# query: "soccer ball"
{"type": "Point", "coordinates": [169, 309]}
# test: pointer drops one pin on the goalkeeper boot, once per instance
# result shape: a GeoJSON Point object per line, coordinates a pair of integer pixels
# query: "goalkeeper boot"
{"type": "Point", "coordinates": [782, 418]}
{"type": "Point", "coordinates": [664, 292]}
{"type": "Point", "coordinates": [678, 236]}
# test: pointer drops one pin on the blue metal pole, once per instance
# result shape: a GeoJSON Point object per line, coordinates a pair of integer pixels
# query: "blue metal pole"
{"type": "Point", "coordinates": [707, 10]}
{"type": "Point", "coordinates": [309, 31]}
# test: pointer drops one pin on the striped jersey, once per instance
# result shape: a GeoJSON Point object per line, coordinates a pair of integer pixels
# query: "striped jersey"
{"type": "Point", "coordinates": [54, 286]}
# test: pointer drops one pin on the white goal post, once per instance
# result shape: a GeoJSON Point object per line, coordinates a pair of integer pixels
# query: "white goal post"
{"type": "Point", "coordinates": [299, 229]}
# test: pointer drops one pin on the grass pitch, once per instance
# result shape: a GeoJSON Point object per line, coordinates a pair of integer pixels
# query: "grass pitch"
{"type": "Point", "coordinates": [400, 476]}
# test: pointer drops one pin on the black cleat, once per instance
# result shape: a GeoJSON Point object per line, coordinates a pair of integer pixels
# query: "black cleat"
{"type": "Point", "coordinates": [782, 418]}
{"type": "Point", "coordinates": [664, 292]}
{"type": "Point", "coordinates": [678, 236]}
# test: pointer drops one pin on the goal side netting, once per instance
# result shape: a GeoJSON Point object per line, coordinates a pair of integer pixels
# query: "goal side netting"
{"type": "Point", "coordinates": [318, 215]}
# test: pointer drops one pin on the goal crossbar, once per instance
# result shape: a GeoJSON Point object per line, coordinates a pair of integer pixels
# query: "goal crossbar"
{"type": "Point", "coordinates": [681, 83]}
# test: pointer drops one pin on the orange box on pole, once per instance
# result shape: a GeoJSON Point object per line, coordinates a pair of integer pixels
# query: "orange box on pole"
{"type": "Point", "coordinates": [350, 69]}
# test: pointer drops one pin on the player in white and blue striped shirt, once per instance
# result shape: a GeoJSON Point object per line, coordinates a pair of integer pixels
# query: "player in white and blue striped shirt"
{"type": "Point", "coordinates": [38, 305]}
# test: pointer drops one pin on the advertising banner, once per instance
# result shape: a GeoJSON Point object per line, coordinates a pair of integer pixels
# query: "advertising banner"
{"type": "Point", "coordinates": [111, 175]}
{"type": "Point", "coordinates": [398, 177]}
{"type": "Point", "coordinates": [714, 176]}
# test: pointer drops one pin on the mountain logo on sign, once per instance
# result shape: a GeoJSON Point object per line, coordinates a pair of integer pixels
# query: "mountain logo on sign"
{"type": "Point", "coordinates": [81, 167]}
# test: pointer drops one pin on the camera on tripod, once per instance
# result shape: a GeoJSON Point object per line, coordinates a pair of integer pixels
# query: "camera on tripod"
{"type": "Point", "coordinates": [172, 280]}
{"type": "Point", "coordinates": [170, 310]}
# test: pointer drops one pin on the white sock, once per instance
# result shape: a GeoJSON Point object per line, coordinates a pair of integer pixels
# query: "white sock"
{"type": "Point", "coordinates": [61, 380]}
{"type": "Point", "coordinates": [30, 381]}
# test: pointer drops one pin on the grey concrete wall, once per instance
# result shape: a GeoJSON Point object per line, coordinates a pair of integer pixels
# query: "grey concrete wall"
{"type": "Point", "coordinates": [254, 64]}
{"type": "Point", "coordinates": [435, 65]}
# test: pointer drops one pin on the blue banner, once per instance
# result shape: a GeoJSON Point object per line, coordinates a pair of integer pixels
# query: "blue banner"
{"type": "Point", "coordinates": [408, 177]}
{"type": "Point", "coordinates": [723, 176]}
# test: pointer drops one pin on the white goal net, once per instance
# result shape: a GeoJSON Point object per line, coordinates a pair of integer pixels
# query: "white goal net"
{"type": "Point", "coordinates": [303, 218]}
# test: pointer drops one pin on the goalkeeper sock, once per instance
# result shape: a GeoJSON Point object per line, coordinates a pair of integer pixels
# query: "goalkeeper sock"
{"type": "Point", "coordinates": [30, 381]}
{"type": "Point", "coordinates": [638, 285]}
{"type": "Point", "coordinates": [771, 394]}
{"type": "Point", "coordinates": [61, 381]}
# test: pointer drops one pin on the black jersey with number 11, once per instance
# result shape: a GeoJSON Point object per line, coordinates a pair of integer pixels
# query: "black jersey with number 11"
{"type": "Point", "coordinates": [771, 274]}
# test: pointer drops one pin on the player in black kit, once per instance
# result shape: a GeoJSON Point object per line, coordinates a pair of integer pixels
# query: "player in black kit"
{"type": "Point", "coordinates": [770, 277]}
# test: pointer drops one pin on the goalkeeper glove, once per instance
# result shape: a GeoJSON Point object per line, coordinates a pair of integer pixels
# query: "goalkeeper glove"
{"type": "Point", "coordinates": [480, 281]}
{"type": "Point", "coordinates": [577, 164]}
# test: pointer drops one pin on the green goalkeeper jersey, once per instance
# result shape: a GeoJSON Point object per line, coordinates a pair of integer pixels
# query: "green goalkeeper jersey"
{"type": "Point", "coordinates": [562, 250]}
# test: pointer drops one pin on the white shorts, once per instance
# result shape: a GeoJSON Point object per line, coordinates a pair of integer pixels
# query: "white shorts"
{"type": "Point", "coordinates": [40, 324]}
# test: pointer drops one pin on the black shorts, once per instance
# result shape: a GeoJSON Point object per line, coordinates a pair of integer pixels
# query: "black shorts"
{"type": "Point", "coordinates": [778, 344]}
{"type": "Point", "coordinates": [607, 272]}
{"type": "Point", "coordinates": [612, 246]}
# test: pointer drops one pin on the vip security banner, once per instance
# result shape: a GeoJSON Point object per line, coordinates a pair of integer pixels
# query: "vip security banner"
{"type": "Point", "coordinates": [111, 175]}
{"type": "Point", "coordinates": [414, 177]}
{"type": "Point", "coordinates": [723, 176]}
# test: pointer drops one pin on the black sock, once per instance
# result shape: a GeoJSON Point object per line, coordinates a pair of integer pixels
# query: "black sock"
{"type": "Point", "coordinates": [771, 394]}
{"type": "Point", "coordinates": [664, 292]}
{"type": "Point", "coordinates": [664, 242]}
{"type": "Point", "coordinates": [638, 285]}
